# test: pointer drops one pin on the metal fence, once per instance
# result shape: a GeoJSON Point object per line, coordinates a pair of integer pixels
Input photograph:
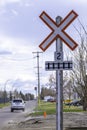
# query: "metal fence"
{"type": "Point", "coordinates": [2, 100]}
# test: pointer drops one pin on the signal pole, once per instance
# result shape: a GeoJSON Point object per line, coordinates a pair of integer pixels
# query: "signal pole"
{"type": "Point", "coordinates": [38, 73]}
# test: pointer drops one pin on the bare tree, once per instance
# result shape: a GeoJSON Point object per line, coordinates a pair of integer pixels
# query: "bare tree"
{"type": "Point", "coordinates": [79, 74]}
{"type": "Point", "coordinates": [52, 81]}
{"type": "Point", "coordinates": [67, 85]}
{"type": "Point", "coordinates": [68, 90]}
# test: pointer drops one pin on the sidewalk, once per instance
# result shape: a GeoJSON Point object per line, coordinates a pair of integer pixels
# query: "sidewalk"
{"type": "Point", "coordinates": [49, 123]}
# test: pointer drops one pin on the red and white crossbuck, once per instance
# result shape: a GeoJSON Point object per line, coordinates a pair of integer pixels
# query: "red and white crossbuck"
{"type": "Point", "coordinates": [58, 31]}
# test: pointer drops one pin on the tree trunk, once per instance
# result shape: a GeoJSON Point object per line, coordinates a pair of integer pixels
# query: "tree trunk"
{"type": "Point", "coordinates": [85, 103]}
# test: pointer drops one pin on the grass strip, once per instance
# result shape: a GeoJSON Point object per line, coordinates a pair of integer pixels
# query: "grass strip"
{"type": "Point", "coordinates": [50, 108]}
{"type": "Point", "coordinates": [4, 105]}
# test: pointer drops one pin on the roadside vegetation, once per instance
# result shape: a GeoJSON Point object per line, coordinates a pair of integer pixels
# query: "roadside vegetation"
{"type": "Point", "coordinates": [50, 108]}
{"type": "Point", "coordinates": [4, 105]}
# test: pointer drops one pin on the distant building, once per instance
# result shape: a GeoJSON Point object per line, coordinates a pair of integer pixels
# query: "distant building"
{"type": "Point", "coordinates": [46, 98]}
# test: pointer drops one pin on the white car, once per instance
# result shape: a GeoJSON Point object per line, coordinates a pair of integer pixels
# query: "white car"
{"type": "Point", "coordinates": [17, 104]}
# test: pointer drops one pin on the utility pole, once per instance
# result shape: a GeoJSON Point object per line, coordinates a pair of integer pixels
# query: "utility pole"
{"type": "Point", "coordinates": [38, 73]}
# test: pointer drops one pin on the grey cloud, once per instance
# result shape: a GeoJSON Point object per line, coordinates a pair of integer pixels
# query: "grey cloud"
{"type": "Point", "coordinates": [3, 52]}
{"type": "Point", "coordinates": [18, 83]}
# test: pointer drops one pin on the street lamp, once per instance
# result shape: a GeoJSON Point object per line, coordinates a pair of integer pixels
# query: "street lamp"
{"type": "Point", "coordinates": [5, 90]}
{"type": "Point", "coordinates": [36, 91]}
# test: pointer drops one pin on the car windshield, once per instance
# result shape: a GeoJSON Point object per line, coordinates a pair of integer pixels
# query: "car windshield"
{"type": "Point", "coordinates": [18, 101]}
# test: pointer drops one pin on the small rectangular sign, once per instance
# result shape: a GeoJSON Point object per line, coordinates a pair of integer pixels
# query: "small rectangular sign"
{"type": "Point", "coordinates": [51, 65]}
{"type": "Point", "coordinates": [58, 56]}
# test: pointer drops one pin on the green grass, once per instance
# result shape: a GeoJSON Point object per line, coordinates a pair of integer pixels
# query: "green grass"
{"type": "Point", "coordinates": [4, 105]}
{"type": "Point", "coordinates": [47, 107]}
{"type": "Point", "coordinates": [50, 108]}
{"type": "Point", "coordinates": [72, 109]}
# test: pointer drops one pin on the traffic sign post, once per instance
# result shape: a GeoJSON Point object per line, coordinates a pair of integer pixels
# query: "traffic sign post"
{"type": "Point", "coordinates": [58, 33]}
{"type": "Point", "coordinates": [59, 83]}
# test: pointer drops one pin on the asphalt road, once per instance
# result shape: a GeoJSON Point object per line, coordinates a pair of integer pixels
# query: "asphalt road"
{"type": "Point", "coordinates": [8, 117]}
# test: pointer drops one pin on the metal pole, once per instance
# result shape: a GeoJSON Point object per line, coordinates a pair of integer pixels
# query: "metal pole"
{"type": "Point", "coordinates": [59, 82]}
{"type": "Point", "coordinates": [5, 91]}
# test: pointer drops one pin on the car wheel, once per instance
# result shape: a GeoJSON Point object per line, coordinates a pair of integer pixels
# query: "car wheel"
{"type": "Point", "coordinates": [11, 110]}
{"type": "Point", "coordinates": [23, 109]}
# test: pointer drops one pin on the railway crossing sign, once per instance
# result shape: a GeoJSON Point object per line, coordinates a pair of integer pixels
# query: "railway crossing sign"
{"type": "Point", "coordinates": [58, 31]}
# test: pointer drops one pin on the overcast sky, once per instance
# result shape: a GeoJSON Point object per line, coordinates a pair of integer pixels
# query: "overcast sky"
{"type": "Point", "coordinates": [21, 32]}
